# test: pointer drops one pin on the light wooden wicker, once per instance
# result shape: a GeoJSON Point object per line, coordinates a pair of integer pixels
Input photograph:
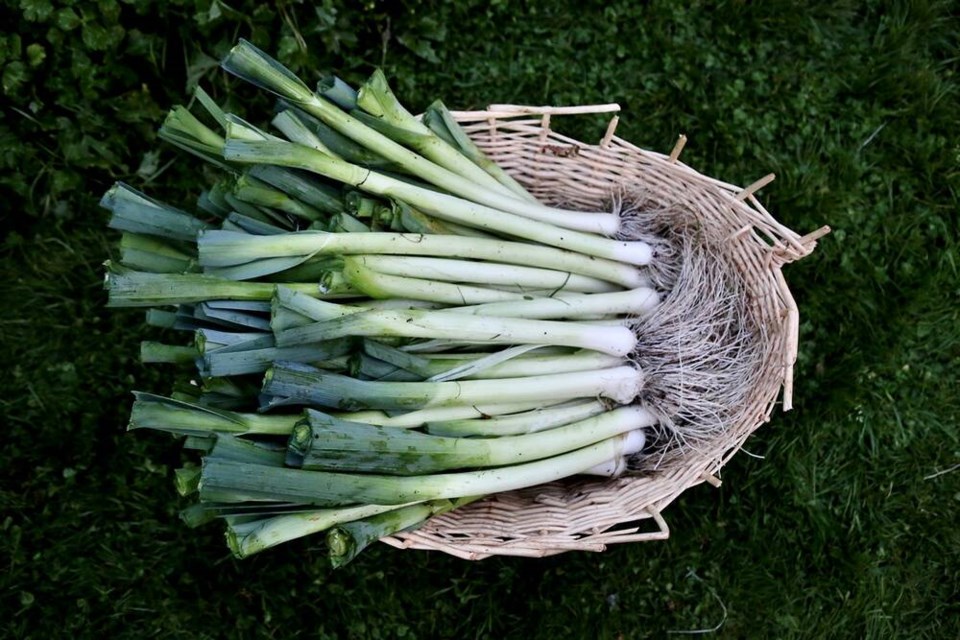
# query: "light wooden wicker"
{"type": "Point", "coordinates": [588, 515]}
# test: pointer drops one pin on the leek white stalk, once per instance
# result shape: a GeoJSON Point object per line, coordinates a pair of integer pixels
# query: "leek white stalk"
{"type": "Point", "coordinates": [225, 481]}
{"type": "Point", "coordinates": [227, 248]}
{"type": "Point", "coordinates": [384, 286]}
{"type": "Point", "coordinates": [327, 444]}
{"type": "Point", "coordinates": [487, 273]}
{"type": "Point", "coordinates": [415, 323]}
{"type": "Point", "coordinates": [512, 362]}
{"type": "Point", "coordinates": [445, 207]}
{"type": "Point", "coordinates": [310, 386]}
{"type": "Point", "coordinates": [532, 365]}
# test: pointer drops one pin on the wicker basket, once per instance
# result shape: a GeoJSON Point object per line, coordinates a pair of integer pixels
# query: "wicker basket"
{"type": "Point", "coordinates": [588, 515]}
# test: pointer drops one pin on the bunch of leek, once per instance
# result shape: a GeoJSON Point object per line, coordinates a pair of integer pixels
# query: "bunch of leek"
{"type": "Point", "coordinates": [385, 324]}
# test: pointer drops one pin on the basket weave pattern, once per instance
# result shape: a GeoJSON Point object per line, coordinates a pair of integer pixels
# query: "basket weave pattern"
{"type": "Point", "coordinates": [589, 514]}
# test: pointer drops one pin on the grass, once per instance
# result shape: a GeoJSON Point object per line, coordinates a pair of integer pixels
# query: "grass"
{"type": "Point", "coordinates": [839, 519]}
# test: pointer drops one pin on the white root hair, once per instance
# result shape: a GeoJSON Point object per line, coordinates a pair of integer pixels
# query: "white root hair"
{"type": "Point", "coordinates": [702, 351]}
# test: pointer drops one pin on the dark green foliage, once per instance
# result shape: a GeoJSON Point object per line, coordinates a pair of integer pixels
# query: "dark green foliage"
{"type": "Point", "coordinates": [846, 529]}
